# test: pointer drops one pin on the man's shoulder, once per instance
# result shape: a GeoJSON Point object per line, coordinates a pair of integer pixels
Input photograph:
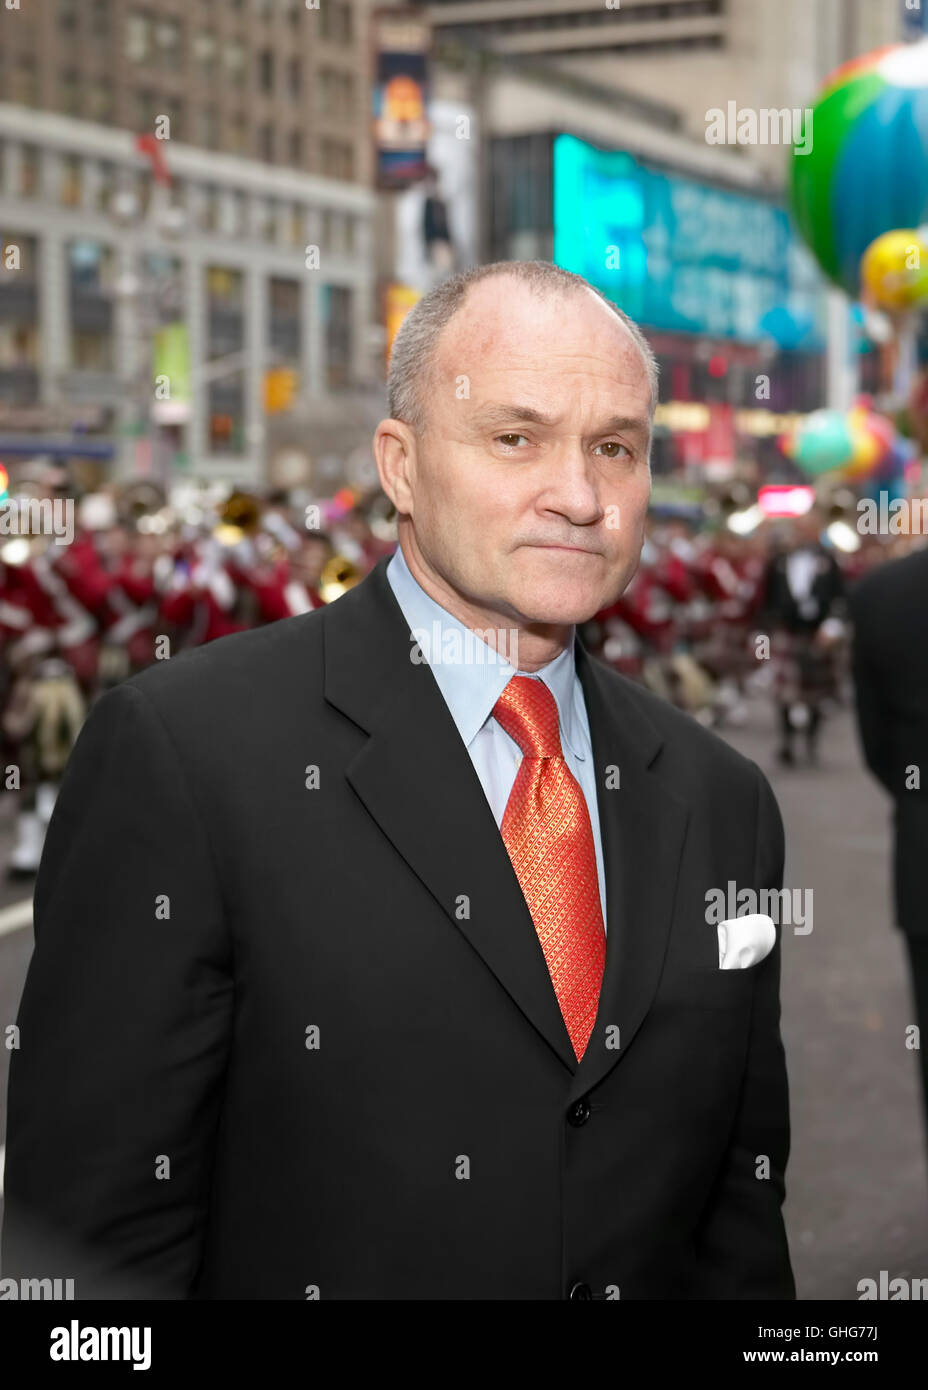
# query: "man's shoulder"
{"type": "Point", "coordinates": [243, 668]}
{"type": "Point", "coordinates": [883, 585]}
{"type": "Point", "coordinates": [696, 754]}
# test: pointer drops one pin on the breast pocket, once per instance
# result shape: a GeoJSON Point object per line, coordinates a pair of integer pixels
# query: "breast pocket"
{"type": "Point", "coordinates": [711, 988]}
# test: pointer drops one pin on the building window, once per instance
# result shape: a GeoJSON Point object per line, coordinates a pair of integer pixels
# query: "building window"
{"type": "Point", "coordinates": [296, 225]}
{"type": "Point", "coordinates": [106, 183]}
{"type": "Point", "coordinates": [24, 82]}
{"type": "Point", "coordinates": [225, 336]}
{"type": "Point", "coordinates": [266, 70]}
{"type": "Point", "coordinates": [334, 92]}
{"type": "Point", "coordinates": [295, 77]}
{"type": "Point", "coordinates": [267, 220]}
{"type": "Point", "coordinates": [284, 319]}
{"type": "Point", "coordinates": [210, 209]}
{"type": "Point", "coordinates": [100, 19]}
{"type": "Point", "coordinates": [237, 137]}
{"type": "Point", "coordinates": [27, 266]}
{"type": "Point", "coordinates": [91, 266]}
{"type": "Point", "coordinates": [337, 159]}
{"type": "Point", "coordinates": [234, 56]}
{"type": "Point", "coordinates": [67, 15]}
{"type": "Point", "coordinates": [322, 89]}
{"type": "Point", "coordinates": [336, 22]}
{"type": "Point", "coordinates": [145, 103]}
{"type": "Point", "coordinates": [205, 50]}
{"type": "Point", "coordinates": [336, 307]}
{"type": "Point", "coordinates": [19, 359]}
{"type": "Point", "coordinates": [70, 186]}
{"type": "Point", "coordinates": [28, 171]}
{"type": "Point", "coordinates": [99, 100]}
{"type": "Point", "coordinates": [295, 148]}
{"type": "Point", "coordinates": [167, 41]}
{"type": "Point", "coordinates": [266, 143]}
{"type": "Point", "coordinates": [92, 272]}
{"type": "Point", "coordinates": [207, 127]}
{"type": "Point", "coordinates": [138, 36]}
{"type": "Point", "coordinates": [231, 214]}
{"type": "Point", "coordinates": [69, 92]}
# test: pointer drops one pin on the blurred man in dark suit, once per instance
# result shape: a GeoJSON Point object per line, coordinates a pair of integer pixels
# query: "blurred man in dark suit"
{"type": "Point", "coordinates": [889, 609]}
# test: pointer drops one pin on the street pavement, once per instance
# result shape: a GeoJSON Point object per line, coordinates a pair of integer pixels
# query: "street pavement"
{"type": "Point", "coordinates": [857, 1181]}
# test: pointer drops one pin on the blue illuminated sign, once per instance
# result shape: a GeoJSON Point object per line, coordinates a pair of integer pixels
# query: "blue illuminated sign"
{"type": "Point", "coordinates": [681, 255]}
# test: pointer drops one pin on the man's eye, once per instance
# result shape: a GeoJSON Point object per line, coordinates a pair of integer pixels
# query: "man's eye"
{"type": "Point", "coordinates": [509, 439]}
{"type": "Point", "coordinates": [615, 445]}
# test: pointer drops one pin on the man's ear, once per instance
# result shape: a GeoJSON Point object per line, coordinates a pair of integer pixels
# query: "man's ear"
{"type": "Point", "coordinates": [396, 459]}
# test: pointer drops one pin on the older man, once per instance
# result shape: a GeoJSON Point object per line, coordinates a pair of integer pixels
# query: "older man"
{"type": "Point", "coordinates": [373, 957]}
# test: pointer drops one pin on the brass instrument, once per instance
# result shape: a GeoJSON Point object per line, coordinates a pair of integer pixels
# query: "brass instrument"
{"type": "Point", "coordinates": [339, 574]}
{"type": "Point", "coordinates": [137, 499]}
{"type": "Point", "coordinates": [239, 516]}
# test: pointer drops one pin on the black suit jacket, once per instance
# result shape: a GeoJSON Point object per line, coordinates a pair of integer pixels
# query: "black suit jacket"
{"type": "Point", "coordinates": [778, 606]}
{"type": "Point", "coordinates": [889, 608]}
{"type": "Point", "coordinates": [435, 1138]}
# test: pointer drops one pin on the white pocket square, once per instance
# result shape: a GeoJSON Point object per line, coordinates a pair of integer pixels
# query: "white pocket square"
{"type": "Point", "coordinates": [744, 941]}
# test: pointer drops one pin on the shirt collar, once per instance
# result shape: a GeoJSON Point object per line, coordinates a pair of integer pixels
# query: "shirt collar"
{"type": "Point", "coordinates": [470, 674]}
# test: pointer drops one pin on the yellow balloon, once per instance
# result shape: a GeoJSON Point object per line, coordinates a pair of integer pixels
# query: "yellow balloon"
{"type": "Point", "coordinates": [894, 270]}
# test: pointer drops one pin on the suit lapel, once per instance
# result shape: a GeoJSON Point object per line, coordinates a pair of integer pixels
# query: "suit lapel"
{"type": "Point", "coordinates": [416, 780]}
{"type": "Point", "coordinates": [643, 827]}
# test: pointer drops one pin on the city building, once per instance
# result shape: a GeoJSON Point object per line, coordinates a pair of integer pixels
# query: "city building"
{"type": "Point", "coordinates": [272, 80]}
{"type": "Point", "coordinates": [691, 54]}
{"type": "Point", "coordinates": [188, 276]}
{"type": "Point", "coordinates": [692, 239]}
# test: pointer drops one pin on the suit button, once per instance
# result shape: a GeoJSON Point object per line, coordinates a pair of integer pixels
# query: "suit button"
{"type": "Point", "coordinates": [580, 1291]}
{"type": "Point", "coordinates": [579, 1112]}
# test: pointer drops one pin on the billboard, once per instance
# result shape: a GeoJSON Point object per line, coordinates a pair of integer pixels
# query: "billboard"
{"type": "Point", "coordinates": [401, 40]}
{"type": "Point", "coordinates": [171, 363]}
{"type": "Point", "coordinates": [398, 300]}
{"type": "Point", "coordinates": [681, 255]}
{"type": "Point", "coordinates": [436, 220]}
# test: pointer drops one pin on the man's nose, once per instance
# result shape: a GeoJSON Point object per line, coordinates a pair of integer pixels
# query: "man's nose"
{"type": "Point", "coordinates": [570, 487]}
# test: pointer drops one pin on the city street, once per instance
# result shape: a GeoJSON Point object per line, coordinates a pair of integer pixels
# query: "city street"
{"type": "Point", "coordinates": [858, 1178]}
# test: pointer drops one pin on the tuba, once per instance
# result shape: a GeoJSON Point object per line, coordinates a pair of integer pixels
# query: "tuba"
{"type": "Point", "coordinates": [339, 574]}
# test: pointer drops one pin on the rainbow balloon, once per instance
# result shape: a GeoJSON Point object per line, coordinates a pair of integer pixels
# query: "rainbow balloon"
{"type": "Point", "coordinates": [865, 170]}
{"type": "Point", "coordinates": [822, 441]}
{"type": "Point", "coordinates": [855, 442]}
{"type": "Point", "coordinates": [873, 436]}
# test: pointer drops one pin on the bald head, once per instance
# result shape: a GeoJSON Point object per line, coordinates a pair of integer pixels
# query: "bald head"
{"type": "Point", "coordinates": [522, 495]}
{"type": "Point", "coordinates": [415, 350]}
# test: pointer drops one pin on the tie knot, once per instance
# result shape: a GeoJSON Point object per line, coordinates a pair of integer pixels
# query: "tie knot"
{"type": "Point", "coordinates": [528, 712]}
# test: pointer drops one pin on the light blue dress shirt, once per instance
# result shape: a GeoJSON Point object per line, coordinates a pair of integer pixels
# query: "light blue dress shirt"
{"type": "Point", "coordinates": [472, 686]}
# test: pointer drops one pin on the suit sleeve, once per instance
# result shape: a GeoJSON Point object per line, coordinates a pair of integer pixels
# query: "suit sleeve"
{"type": "Point", "coordinates": [742, 1250]}
{"type": "Point", "coordinates": [872, 719]}
{"type": "Point", "coordinates": [124, 1023]}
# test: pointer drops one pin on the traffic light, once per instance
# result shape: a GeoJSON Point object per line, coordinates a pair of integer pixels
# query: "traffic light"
{"type": "Point", "coordinates": [280, 385]}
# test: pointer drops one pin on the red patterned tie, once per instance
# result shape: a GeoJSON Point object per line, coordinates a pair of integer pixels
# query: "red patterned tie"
{"type": "Point", "coordinates": [547, 833]}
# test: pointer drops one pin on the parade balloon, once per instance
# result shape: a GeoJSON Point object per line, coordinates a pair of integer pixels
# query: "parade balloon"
{"type": "Point", "coordinates": [894, 270]}
{"type": "Point", "coordinates": [861, 167]}
{"type": "Point", "coordinates": [821, 442]}
{"type": "Point", "coordinates": [873, 435]}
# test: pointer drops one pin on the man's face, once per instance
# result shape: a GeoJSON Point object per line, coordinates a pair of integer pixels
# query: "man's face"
{"type": "Point", "coordinates": [309, 561]}
{"type": "Point", "coordinates": [529, 487]}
